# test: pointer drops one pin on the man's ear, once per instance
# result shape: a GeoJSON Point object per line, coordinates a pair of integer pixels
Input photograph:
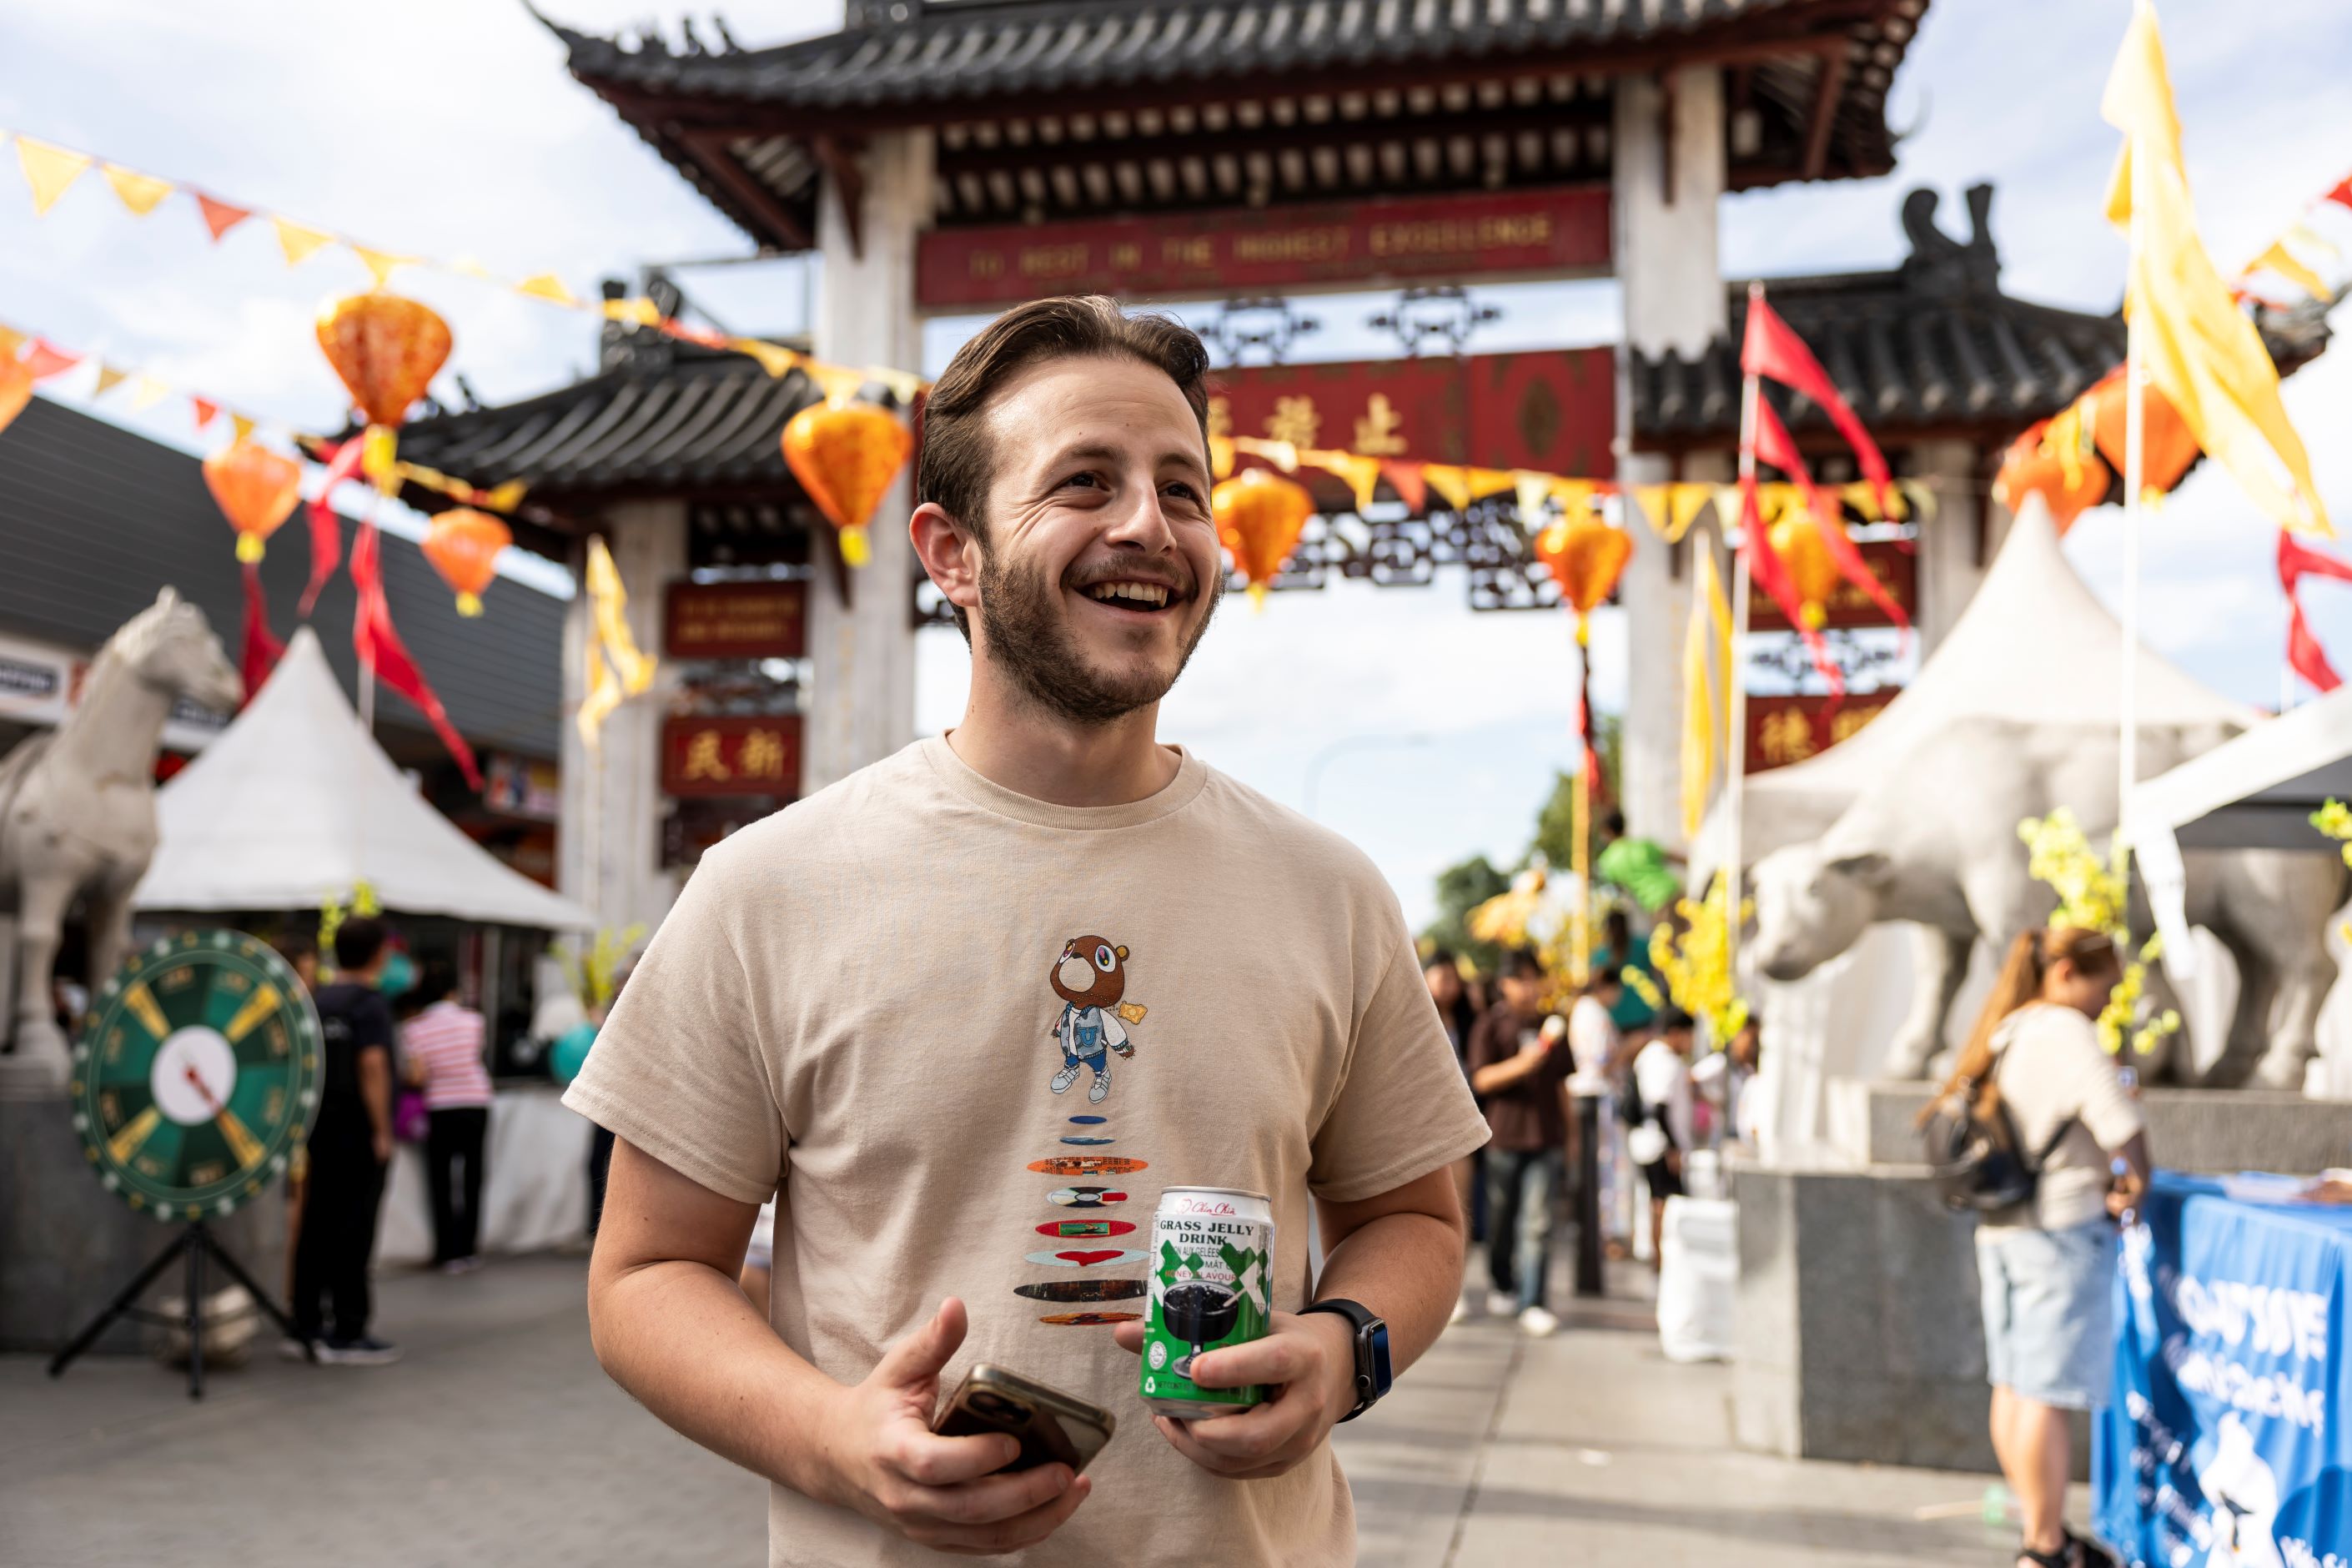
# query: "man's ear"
{"type": "Point", "coordinates": [949, 551]}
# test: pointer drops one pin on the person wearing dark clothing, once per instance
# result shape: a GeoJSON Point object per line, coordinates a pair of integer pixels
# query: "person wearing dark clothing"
{"type": "Point", "coordinates": [1458, 1011]}
{"type": "Point", "coordinates": [1519, 1062]}
{"type": "Point", "coordinates": [351, 1145]}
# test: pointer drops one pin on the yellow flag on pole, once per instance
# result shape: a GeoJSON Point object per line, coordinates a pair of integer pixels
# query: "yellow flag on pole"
{"type": "Point", "coordinates": [630, 671]}
{"type": "Point", "coordinates": [140, 193]}
{"type": "Point", "coordinates": [1707, 688]}
{"type": "Point", "coordinates": [49, 170]}
{"type": "Point", "coordinates": [2200, 351]}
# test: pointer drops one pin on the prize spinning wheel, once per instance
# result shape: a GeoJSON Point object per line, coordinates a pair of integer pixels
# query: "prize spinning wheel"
{"type": "Point", "coordinates": [192, 1087]}
{"type": "Point", "coordinates": [198, 1076]}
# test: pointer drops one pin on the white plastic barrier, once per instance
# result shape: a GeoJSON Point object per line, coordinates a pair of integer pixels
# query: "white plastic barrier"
{"type": "Point", "coordinates": [1698, 1278]}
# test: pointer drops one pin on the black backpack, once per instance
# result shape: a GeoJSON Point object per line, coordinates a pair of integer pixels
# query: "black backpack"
{"type": "Point", "coordinates": [1975, 1161]}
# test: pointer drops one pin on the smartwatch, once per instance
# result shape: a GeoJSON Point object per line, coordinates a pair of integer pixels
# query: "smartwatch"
{"type": "Point", "coordinates": [1372, 1375]}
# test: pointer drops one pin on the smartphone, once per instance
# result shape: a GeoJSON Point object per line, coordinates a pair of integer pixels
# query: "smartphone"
{"type": "Point", "coordinates": [1052, 1427]}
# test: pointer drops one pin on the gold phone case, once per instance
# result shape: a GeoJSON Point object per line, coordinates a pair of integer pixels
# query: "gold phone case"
{"type": "Point", "coordinates": [1051, 1426]}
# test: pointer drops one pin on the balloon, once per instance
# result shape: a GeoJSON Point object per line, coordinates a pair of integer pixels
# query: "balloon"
{"type": "Point", "coordinates": [255, 489]}
{"type": "Point", "coordinates": [2033, 465]}
{"type": "Point", "coordinates": [571, 1049]}
{"type": "Point", "coordinates": [1586, 556]}
{"type": "Point", "coordinates": [845, 455]}
{"type": "Point", "coordinates": [463, 545]}
{"type": "Point", "coordinates": [386, 348]}
{"type": "Point", "coordinates": [2166, 447]}
{"type": "Point", "coordinates": [1260, 516]}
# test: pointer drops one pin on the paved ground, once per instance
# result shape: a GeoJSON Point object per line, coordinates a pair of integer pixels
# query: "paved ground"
{"type": "Point", "coordinates": [1587, 1448]}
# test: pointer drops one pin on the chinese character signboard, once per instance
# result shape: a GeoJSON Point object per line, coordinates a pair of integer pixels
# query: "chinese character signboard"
{"type": "Point", "coordinates": [736, 620]}
{"type": "Point", "coordinates": [1896, 567]}
{"type": "Point", "coordinates": [1535, 233]}
{"type": "Point", "coordinates": [1784, 730]}
{"type": "Point", "coordinates": [1554, 410]}
{"type": "Point", "coordinates": [756, 755]}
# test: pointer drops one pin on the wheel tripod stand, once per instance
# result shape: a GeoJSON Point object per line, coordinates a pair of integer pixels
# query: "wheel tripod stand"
{"type": "Point", "coordinates": [195, 1243]}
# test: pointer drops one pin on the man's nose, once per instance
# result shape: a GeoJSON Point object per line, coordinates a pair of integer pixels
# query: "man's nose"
{"type": "Point", "coordinates": [1142, 521]}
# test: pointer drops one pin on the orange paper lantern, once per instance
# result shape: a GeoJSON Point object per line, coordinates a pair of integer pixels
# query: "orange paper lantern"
{"type": "Point", "coordinates": [2167, 445]}
{"type": "Point", "coordinates": [16, 388]}
{"type": "Point", "coordinates": [845, 454]}
{"type": "Point", "coordinates": [2035, 466]}
{"type": "Point", "coordinates": [1585, 555]}
{"type": "Point", "coordinates": [1805, 556]}
{"type": "Point", "coordinates": [255, 489]}
{"type": "Point", "coordinates": [386, 349]}
{"type": "Point", "coordinates": [463, 545]}
{"type": "Point", "coordinates": [1260, 516]}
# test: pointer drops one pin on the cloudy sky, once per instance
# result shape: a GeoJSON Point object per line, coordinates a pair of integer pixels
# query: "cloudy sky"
{"type": "Point", "coordinates": [448, 128]}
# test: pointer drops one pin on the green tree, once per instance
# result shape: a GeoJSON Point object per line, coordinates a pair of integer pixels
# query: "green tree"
{"type": "Point", "coordinates": [1461, 888]}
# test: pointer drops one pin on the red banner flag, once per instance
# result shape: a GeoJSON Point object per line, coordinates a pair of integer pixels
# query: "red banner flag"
{"type": "Point", "coordinates": [262, 648]}
{"type": "Point", "coordinates": [2342, 194]}
{"type": "Point", "coordinates": [1772, 350]}
{"type": "Point", "coordinates": [380, 649]}
{"type": "Point", "coordinates": [2298, 561]}
{"type": "Point", "coordinates": [1774, 447]}
{"type": "Point", "coordinates": [326, 528]}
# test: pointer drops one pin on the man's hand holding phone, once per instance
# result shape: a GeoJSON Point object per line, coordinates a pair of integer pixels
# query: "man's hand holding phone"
{"type": "Point", "coordinates": [878, 1455]}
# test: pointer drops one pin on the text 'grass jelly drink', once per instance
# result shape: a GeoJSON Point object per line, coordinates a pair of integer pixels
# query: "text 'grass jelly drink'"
{"type": "Point", "coordinates": [1212, 1268]}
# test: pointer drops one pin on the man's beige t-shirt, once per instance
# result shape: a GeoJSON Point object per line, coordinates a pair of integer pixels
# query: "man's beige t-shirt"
{"type": "Point", "coordinates": [856, 1002]}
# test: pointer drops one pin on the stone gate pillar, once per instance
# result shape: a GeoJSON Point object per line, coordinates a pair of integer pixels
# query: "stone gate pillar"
{"type": "Point", "coordinates": [1669, 178]}
{"type": "Point", "coordinates": [862, 655]}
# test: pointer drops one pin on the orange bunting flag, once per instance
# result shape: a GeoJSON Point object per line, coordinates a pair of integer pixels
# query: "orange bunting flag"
{"type": "Point", "coordinates": [12, 343]}
{"type": "Point", "coordinates": [299, 243]}
{"type": "Point", "coordinates": [219, 216]}
{"type": "Point", "coordinates": [49, 170]}
{"type": "Point", "coordinates": [204, 411]}
{"type": "Point", "coordinates": [109, 378]}
{"type": "Point", "coordinates": [1411, 487]}
{"type": "Point", "coordinates": [15, 390]}
{"type": "Point", "coordinates": [140, 193]}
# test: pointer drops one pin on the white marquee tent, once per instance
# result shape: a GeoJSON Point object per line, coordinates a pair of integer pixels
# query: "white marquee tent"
{"type": "Point", "coordinates": [295, 804]}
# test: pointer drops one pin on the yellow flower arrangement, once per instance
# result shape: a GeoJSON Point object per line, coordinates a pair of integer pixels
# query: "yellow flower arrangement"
{"type": "Point", "coordinates": [592, 974]}
{"type": "Point", "coordinates": [2094, 895]}
{"type": "Point", "coordinates": [334, 912]}
{"type": "Point", "coordinates": [1696, 963]}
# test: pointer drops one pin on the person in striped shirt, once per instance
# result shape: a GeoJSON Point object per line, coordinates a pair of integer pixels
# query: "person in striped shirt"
{"type": "Point", "coordinates": [444, 1047]}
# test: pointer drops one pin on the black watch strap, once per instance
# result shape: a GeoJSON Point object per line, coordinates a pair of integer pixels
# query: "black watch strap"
{"type": "Point", "coordinates": [1373, 1377]}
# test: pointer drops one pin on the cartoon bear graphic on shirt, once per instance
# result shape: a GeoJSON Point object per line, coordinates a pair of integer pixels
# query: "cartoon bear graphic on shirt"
{"type": "Point", "coordinates": [1091, 977]}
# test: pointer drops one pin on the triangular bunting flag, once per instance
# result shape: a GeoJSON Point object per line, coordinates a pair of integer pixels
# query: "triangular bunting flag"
{"type": "Point", "coordinates": [637, 312]}
{"type": "Point", "coordinates": [47, 360]}
{"type": "Point", "coordinates": [139, 191]}
{"type": "Point", "coordinates": [109, 378]}
{"type": "Point", "coordinates": [776, 360]}
{"type": "Point", "coordinates": [1530, 490]}
{"type": "Point", "coordinates": [505, 497]}
{"type": "Point", "coordinates": [547, 286]}
{"type": "Point", "coordinates": [204, 411]}
{"type": "Point", "coordinates": [299, 243]}
{"type": "Point", "coordinates": [904, 384]}
{"type": "Point", "coordinates": [49, 170]}
{"type": "Point", "coordinates": [380, 264]}
{"type": "Point", "coordinates": [148, 392]}
{"type": "Point", "coordinates": [12, 343]}
{"type": "Point", "coordinates": [241, 426]}
{"type": "Point", "coordinates": [2342, 194]}
{"type": "Point", "coordinates": [1489, 481]}
{"type": "Point", "coordinates": [1452, 484]}
{"type": "Point", "coordinates": [2280, 260]}
{"type": "Point", "coordinates": [1405, 478]}
{"type": "Point", "coordinates": [838, 385]}
{"type": "Point", "coordinates": [1655, 503]}
{"type": "Point", "coordinates": [1361, 475]}
{"type": "Point", "coordinates": [471, 266]}
{"type": "Point", "coordinates": [219, 216]}
{"type": "Point", "coordinates": [2309, 241]}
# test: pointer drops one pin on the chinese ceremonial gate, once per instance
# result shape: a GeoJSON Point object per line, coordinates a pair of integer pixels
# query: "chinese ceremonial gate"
{"type": "Point", "coordinates": [954, 156]}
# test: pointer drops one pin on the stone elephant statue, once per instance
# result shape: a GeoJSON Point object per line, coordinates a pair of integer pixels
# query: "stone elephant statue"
{"type": "Point", "coordinates": [1935, 843]}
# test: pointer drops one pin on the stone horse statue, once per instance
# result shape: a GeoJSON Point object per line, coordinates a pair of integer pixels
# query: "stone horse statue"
{"type": "Point", "coordinates": [1935, 843]}
{"type": "Point", "coordinates": [77, 809]}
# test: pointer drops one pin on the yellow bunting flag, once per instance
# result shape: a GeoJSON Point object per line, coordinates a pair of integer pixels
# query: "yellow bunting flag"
{"type": "Point", "coordinates": [1575, 496]}
{"type": "Point", "coordinates": [628, 671]}
{"type": "Point", "coordinates": [299, 243]}
{"type": "Point", "coordinates": [1488, 481]}
{"type": "Point", "coordinates": [49, 170]}
{"type": "Point", "coordinates": [637, 312]}
{"type": "Point", "coordinates": [380, 264]}
{"type": "Point", "coordinates": [1530, 490]}
{"type": "Point", "coordinates": [1451, 483]}
{"type": "Point", "coordinates": [1221, 456]}
{"type": "Point", "coordinates": [241, 426]}
{"type": "Point", "coordinates": [2195, 345]}
{"type": "Point", "coordinates": [1670, 510]}
{"type": "Point", "coordinates": [109, 378]}
{"type": "Point", "coordinates": [471, 266]}
{"type": "Point", "coordinates": [12, 343]}
{"type": "Point", "coordinates": [775, 359]}
{"type": "Point", "coordinates": [1361, 475]}
{"type": "Point", "coordinates": [2278, 259]}
{"type": "Point", "coordinates": [139, 191]}
{"type": "Point", "coordinates": [838, 385]}
{"type": "Point", "coordinates": [505, 497]}
{"type": "Point", "coordinates": [147, 392]}
{"type": "Point", "coordinates": [549, 287]}
{"type": "Point", "coordinates": [904, 384]}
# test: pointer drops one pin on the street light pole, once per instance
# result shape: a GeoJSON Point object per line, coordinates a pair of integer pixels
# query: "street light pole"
{"type": "Point", "coordinates": [1343, 745]}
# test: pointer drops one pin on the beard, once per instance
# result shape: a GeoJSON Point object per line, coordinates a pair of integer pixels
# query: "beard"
{"type": "Point", "coordinates": [1030, 639]}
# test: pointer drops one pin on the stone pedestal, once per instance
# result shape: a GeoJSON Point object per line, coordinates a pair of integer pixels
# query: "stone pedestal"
{"type": "Point", "coordinates": [66, 1245]}
{"type": "Point", "coordinates": [2214, 1133]}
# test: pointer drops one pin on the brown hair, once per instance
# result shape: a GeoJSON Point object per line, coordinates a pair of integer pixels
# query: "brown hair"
{"type": "Point", "coordinates": [2031, 956]}
{"type": "Point", "coordinates": [959, 461]}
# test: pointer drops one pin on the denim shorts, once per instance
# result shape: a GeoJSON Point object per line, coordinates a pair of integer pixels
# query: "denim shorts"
{"type": "Point", "coordinates": [2048, 1312]}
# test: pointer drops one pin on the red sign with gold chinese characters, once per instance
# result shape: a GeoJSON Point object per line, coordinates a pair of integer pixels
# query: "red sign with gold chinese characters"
{"type": "Point", "coordinates": [736, 620]}
{"type": "Point", "coordinates": [1896, 567]}
{"type": "Point", "coordinates": [759, 755]}
{"type": "Point", "coordinates": [1221, 254]}
{"type": "Point", "coordinates": [1554, 410]}
{"type": "Point", "coordinates": [1784, 730]}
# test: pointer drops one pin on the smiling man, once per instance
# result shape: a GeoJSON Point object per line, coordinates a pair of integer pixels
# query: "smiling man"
{"type": "Point", "coordinates": [874, 1005]}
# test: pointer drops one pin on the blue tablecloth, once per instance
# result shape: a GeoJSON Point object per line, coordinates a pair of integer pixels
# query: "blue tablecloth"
{"type": "Point", "coordinates": [2229, 1443]}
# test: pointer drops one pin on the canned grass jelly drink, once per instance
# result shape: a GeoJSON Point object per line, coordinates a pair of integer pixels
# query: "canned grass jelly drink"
{"type": "Point", "coordinates": [1212, 1268]}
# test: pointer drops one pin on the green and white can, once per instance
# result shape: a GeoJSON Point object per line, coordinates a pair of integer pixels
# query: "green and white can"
{"type": "Point", "coordinates": [1212, 1287]}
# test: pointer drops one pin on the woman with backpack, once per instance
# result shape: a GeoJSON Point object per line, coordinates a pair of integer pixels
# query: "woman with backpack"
{"type": "Point", "coordinates": [2036, 1121]}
